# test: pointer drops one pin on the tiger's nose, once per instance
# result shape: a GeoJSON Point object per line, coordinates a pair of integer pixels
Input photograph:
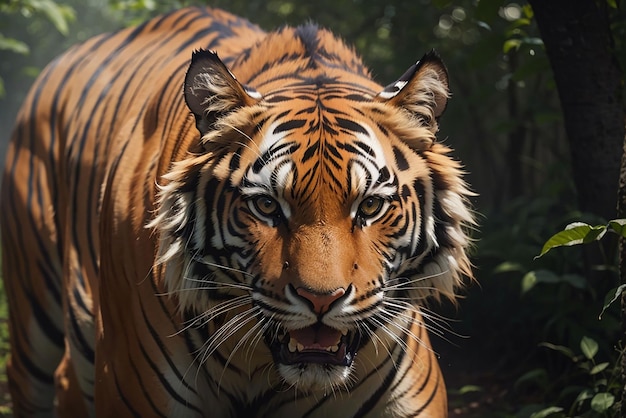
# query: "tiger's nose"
{"type": "Point", "coordinates": [320, 301]}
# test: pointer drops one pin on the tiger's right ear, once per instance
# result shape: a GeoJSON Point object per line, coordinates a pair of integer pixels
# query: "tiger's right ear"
{"type": "Point", "coordinates": [212, 91]}
{"type": "Point", "coordinates": [423, 90]}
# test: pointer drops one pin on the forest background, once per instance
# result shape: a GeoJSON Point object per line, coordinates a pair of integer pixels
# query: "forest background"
{"type": "Point", "coordinates": [534, 336]}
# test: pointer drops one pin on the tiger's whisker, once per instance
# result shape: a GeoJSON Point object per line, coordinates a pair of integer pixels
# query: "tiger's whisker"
{"type": "Point", "coordinates": [439, 323]}
{"type": "Point", "coordinates": [433, 328]}
{"type": "Point", "coordinates": [205, 317]}
{"type": "Point", "coordinates": [406, 331]}
{"type": "Point", "coordinates": [404, 281]}
{"type": "Point", "coordinates": [241, 342]}
{"type": "Point", "coordinates": [221, 267]}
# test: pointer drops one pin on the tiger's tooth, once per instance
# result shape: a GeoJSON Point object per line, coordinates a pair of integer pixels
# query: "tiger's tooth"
{"type": "Point", "coordinates": [333, 349]}
{"type": "Point", "coordinates": [300, 347]}
{"type": "Point", "coordinates": [293, 345]}
{"type": "Point", "coordinates": [344, 332]}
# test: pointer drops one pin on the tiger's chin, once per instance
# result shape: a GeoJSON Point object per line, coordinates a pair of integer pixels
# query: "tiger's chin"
{"type": "Point", "coordinates": [311, 377]}
{"type": "Point", "coordinates": [316, 357]}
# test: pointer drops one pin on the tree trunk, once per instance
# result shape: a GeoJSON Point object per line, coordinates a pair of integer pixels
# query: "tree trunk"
{"type": "Point", "coordinates": [579, 45]}
{"type": "Point", "coordinates": [621, 213]}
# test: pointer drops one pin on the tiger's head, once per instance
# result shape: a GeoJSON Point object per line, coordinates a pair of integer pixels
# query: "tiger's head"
{"type": "Point", "coordinates": [315, 214]}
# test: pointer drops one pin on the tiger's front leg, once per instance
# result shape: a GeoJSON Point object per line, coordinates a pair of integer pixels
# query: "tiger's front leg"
{"type": "Point", "coordinates": [146, 361]}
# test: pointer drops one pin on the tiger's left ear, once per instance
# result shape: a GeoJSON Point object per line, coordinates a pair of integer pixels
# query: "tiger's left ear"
{"type": "Point", "coordinates": [212, 91]}
{"type": "Point", "coordinates": [423, 90]}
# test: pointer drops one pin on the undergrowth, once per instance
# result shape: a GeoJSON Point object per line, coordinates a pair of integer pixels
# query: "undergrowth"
{"type": "Point", "coordinates": [543, 341]}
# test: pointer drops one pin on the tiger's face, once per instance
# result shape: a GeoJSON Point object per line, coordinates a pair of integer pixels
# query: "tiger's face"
{"type": "Point", "coordinates": [315, 219]}
{"type": "Point", "coordinates": [327, 233]}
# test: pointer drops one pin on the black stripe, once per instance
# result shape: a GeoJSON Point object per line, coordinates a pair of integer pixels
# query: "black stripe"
{"type": "Point", "coordinates": [163, 19]}
{"type": "Point", "coordinates": [51, 279]}
{"type": "Point", "coordinates": [121, 396]}
{"type": "Point", "coordinates": [350, 125]}
{"type": "Point", "coordinates": [68, 73]}
{"type": "Point", "coordinates": [78, 143]}
{"type": "Point", "coordinates": [25, 361]}
{"type": "Point", "coordinates": [376, 397]}
{"type": "Point", "coordinates": [52, 285]}
{"type": "Point", "coordinates": [419, 411]}
{"type": "Point", "coordinates": [289, 125]}
{"type": "Point", "coordinates": [164, 351]}
{"type": "Point", "coordinates": [164, 383]}
{"type": "Point", "coordinates": [310, 151]}
{"type": "Point", "coordinates": [400, 380]}
{"type": "Point", "coordinates": [401, 161]}
{"type": "Point", "coordinates": [155, 410]}
{"type": "Point", "coordinates": [420, 190]}
{"type": "Point", "coordinates": [43, 320]}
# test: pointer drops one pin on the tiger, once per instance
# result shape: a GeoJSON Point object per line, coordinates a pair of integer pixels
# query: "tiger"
{"type": "Point", "coordinates": [203, 219]}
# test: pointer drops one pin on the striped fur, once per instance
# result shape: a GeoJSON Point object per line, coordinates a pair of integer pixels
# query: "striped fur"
{"type": "Point", "coordinates": [254, 234]}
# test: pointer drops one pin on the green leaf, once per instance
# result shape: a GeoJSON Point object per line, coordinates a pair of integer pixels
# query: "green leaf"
{"type": "Point", "coordinates": [528, 11]}
{"type": "Point", "coordinates": [589, 347]}
{"type": "Point", "coordinates": [544, 413]}
{"type": "Point", "coordinates": [560, 348]}
{"type": "Point", "coordinates": [508, 266]}
{"type": "Point", "coordinates": [608, 300]}
{"type": "Point", "coordinates": [598, 368]}
{"type": "Point", "coordinates": [602, 401]}
{"type": "Point", "coordinates": [510, 44]}
{"type": "Point", "coordinates": [535, 277]}
{"type": "Point", "coordinates": [618, 226]}
{"type": "Point", "coordinates": [13, 45]}
{"type": "Point", "coordinates": [574, 234]}
{"type": "Point", "coordinates": [470, 389]}
{"type": "Point", "coordinates": [584, 395]}
{"type": "Point", "coordinates": [55, 13]}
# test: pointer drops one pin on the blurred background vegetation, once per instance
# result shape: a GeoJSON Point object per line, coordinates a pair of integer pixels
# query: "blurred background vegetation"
{"type": "Point", "coordinates": [527, 340]}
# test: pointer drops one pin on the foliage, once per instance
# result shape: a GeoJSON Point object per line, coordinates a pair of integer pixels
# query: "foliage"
{"type": "Point", "coordinates": [599, 385]}
{"type": "Point", "coordinates": [527, 312]}
{"type": "Point", "coordinates": [582, 233]}
{"type": "Point", "coordinates": [59, 15]}
{"type": "Point", "coordinates": [594, 396]}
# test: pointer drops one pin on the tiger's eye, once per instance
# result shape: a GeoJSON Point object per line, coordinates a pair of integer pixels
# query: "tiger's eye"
{"type": "Point", "coordinates": [266, 205]}
{"type": "Point", "coordinates": [370, 206]}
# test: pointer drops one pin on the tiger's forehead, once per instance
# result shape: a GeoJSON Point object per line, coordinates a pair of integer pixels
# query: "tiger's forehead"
{"type": "Point", "coordinates": [313, 148]}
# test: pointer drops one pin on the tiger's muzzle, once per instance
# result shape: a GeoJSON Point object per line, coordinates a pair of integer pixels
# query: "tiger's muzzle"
{"type": "Point", "coordinates": [317, 343]}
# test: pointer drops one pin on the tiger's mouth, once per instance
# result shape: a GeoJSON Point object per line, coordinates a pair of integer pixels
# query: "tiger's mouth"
{"type": "Point", "coordinates": [315, 344]}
